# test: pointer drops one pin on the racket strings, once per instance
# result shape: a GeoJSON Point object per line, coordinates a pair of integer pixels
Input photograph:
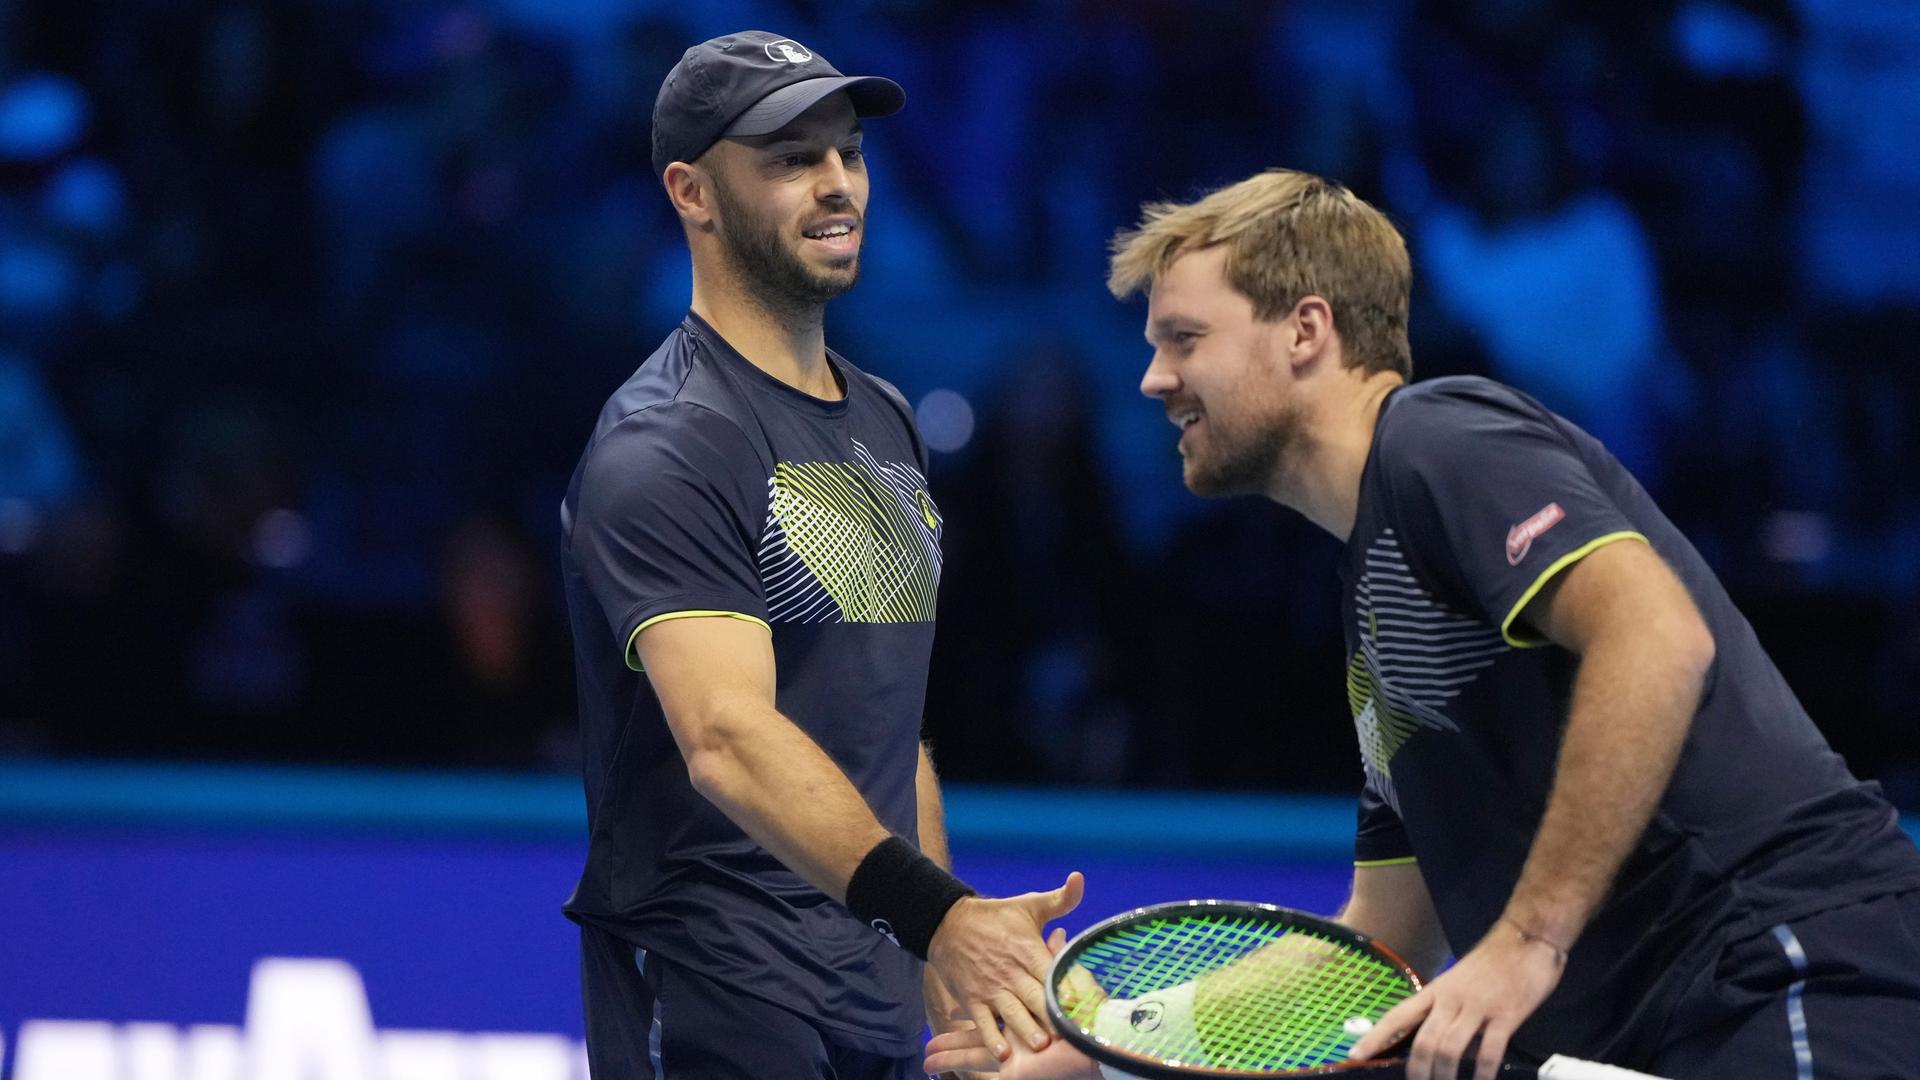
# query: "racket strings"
{"type": "Point", "coordinates": [1267, 996]}
{"type": "Point", "coordinates": [1295, 1019]}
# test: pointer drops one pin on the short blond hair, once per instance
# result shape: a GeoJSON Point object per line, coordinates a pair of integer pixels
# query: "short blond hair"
{"type": "Point", "coordinates": [1288, 235]}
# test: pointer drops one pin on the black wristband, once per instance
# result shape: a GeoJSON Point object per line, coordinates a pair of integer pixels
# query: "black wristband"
{"type": "Point", "coordinates": [903, 894]}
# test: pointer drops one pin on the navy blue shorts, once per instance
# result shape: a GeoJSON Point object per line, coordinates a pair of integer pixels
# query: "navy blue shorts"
{"type": "Point", "coordinates": [1833, 996]}
{"type": "Point", "coordinates": [651, 1020]}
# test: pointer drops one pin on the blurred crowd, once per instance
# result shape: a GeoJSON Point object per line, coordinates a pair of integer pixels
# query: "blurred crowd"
{"type": "Point", "coordinates": [306, 309]}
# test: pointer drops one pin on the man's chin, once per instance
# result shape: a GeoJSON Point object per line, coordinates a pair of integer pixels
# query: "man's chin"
{"type": "Point", "coordinates": [1199, 481]}
{"type": "Point", "coordinates": [1217, 483]}
{"type": "Point", "coordinates": [837, 281]}
{"type": "Point", "coordinates": [837, 268]}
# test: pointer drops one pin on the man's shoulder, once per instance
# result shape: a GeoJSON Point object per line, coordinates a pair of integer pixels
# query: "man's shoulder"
{"type": "Point", "coordinates": [1450, 420]}
{"type": "Point", "coordinates": [669, 454]}
{"type": "Point", "coordinates": [674, 393]}
{"type": "Point", "coordinates": [1451, 402]}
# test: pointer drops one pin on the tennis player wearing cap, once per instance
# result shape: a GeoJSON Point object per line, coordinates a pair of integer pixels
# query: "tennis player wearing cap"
{"type": "Point", "coordinates": [1584, 776]}
{"type": "Point", "coordinates": [751, 561]}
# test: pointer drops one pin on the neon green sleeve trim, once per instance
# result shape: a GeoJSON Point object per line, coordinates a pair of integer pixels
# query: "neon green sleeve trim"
{"type": "Point", "coordinates": [633, 653]}
{"type": "Point", "coordinates": [1564, 561]}
{"type": "Point", "coordinates": [1404, 860]}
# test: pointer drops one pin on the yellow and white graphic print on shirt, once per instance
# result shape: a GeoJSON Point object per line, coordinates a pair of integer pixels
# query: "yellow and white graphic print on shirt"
{"type": "Point", "coordinates": [1416, 654]}
{"type": "Point", "coordinates": [850, 541]}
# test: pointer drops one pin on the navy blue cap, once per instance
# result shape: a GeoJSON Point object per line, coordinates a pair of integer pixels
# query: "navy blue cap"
{"type": "Point", "coordinates": [751, 83]}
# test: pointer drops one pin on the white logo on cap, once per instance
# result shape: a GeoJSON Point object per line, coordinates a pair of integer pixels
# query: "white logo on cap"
{"type": "Point", "coordinates": [789, 50]}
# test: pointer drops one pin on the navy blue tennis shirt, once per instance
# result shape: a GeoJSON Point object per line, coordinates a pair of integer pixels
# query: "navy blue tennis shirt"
{"type": "Point", "coordinates": [711, 489]}
{"type": "Point", "coordinates": [1474, 496]}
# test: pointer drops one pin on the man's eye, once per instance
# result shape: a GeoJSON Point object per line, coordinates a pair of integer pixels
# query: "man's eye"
{"type": "Point", "coordinates": [793, 161]}
{"type": "Point", "coordinates": [853, 154]}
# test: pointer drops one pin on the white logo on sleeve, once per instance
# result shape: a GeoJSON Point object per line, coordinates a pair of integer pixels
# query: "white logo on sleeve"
{"type": "Point", "coordinates": [886, 930]}
{"type": "Point", "coordinates": [788, 50]}
{"type": "Point", "coordinates": [1520, 538]}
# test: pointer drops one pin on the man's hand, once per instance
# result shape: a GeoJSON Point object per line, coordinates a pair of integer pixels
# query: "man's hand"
{"type": "Point", "coordinates": [991, 955]}
{"type": "Point", "coordinates": [943, 1012]}
{"type": "Point", "coordinates": [1485, 996]}
{"type": "Point", "coordinates": [1080, 995]}
{"type": "Point", "coordinates": [961, 1053]}
{"type": "Point", "coordinates": [964, 1051]}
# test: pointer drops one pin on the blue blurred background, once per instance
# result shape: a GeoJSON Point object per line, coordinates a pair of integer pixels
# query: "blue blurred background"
{"type": "Point", "coordinates": [306, 310]}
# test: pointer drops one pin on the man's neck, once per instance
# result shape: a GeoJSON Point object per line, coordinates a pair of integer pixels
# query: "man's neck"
{"type": "Point", "coordinates": [789, 345]}
{"type": "Point", "coordinates": [1323, 483]}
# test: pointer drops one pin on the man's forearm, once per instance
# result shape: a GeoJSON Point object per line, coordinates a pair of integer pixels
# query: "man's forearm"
{"type": "Point", "coordinates": [933, 842]}
{"type": "Point", "coordinates": [932, 812]}
{"type": "Point", "coordinates": [774, 782]}
{"type": "Point", "coordinates": [716, 682]}
{"type": "Point", "coordinates": [1391, 904]}
{"type": "Point", "coordinates": [1634, 698]}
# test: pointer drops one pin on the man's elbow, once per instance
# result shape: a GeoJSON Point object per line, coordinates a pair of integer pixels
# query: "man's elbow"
{"type": "Point", "coordinates": [710, 745]}
{"type": "Point", "coordinates": [711, 771]}
{"type": "Point", "coordinates": [1691, 645]}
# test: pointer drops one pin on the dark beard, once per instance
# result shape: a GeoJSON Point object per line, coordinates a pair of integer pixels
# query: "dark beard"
{"type": "Point", "coordinates": [771, 271]}
{"type": "Point", "coordinates": [1247, 464]}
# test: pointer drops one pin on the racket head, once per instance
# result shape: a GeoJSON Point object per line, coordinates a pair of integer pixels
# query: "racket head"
{"type": "Point", "coordinates": [1287, 1011]}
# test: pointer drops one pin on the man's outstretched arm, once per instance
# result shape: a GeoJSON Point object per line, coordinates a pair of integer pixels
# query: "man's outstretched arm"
{"type": "Point", "coordinates": [715, 679]}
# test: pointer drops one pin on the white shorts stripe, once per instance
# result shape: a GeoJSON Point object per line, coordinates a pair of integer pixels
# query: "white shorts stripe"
{"type": "Point", "coordinates": [653, 1033]}
{"type": "Point", "coordinates": [1796, 1006]}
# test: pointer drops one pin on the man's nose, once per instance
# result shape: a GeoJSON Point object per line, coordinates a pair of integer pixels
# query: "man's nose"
{"type": "Point", "coordinates": [835, 183]}
{"type": "Point", "coordinates": [1159, 380]}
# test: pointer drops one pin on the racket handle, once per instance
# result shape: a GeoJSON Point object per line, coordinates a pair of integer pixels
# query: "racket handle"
{"type": "Point", "coordinates": [1566, 1068]}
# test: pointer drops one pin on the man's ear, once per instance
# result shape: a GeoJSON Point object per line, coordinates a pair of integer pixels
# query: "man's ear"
{"type": "Point", "coordinates": [690, 190]}
{"type": "Point", "coordinates": [1313, 331]}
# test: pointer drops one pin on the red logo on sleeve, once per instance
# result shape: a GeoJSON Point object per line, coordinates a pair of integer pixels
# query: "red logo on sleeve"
{"type": "Point", "coordinates": [1520, 538]}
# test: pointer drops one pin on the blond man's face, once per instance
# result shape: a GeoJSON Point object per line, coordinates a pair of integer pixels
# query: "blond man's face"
{"type": "Point", "coordinates": [1222, 377]}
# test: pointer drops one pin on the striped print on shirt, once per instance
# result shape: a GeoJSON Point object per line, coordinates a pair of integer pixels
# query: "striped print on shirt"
{"type": "Point", "coordinates": [1416, 655]}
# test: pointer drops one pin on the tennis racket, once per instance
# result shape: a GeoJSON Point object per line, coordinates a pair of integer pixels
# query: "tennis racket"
{"type": "Point", "coordinates": [1227, 989]}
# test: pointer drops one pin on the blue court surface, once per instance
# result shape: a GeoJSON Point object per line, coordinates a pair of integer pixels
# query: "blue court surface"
{"type": "Point", "coordinates": [158, 919]}
{"type": "Point", "coordinates": [179, 923]}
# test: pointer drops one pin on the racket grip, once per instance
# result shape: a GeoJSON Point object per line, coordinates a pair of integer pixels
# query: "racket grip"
{"type": "Point", "coordinates": [1566, 1068]}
